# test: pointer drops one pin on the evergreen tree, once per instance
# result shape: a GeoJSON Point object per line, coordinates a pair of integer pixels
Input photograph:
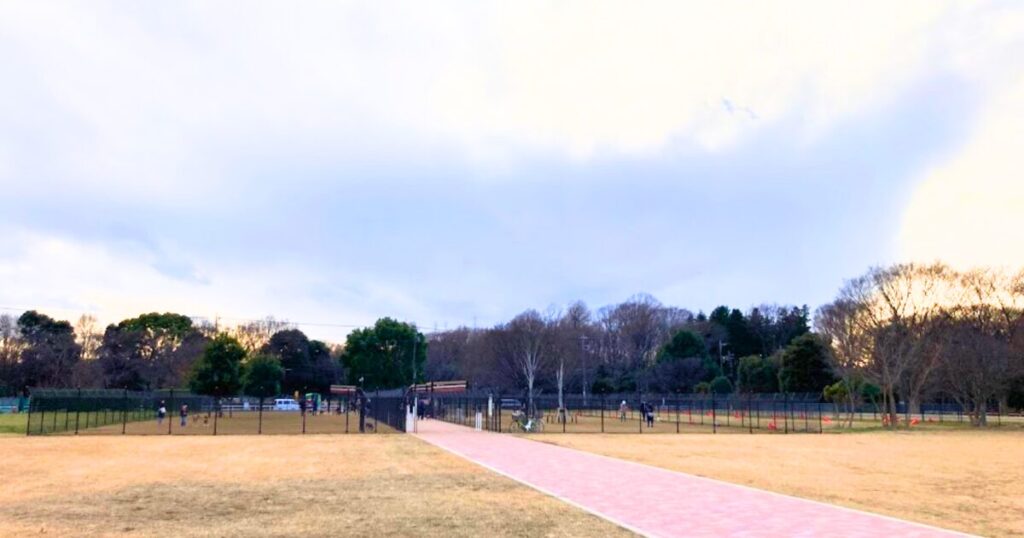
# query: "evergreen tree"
{"type": "Point", "coordinates": [805, 365]}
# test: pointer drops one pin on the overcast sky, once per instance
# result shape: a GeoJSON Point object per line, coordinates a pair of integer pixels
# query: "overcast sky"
{"type": "Point", "coordinates": [457, 163]}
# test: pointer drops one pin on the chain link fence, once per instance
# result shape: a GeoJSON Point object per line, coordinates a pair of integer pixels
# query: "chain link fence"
{"type": "Point", "coordinates": [681, 413]}
{"type": "Point", "coordinates": [178, 412]}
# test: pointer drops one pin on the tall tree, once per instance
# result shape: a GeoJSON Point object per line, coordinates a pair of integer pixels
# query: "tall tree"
{"type": "Point", "coordinates": [804, 365]}
{"type": "Point", "coordinates": [757, 375]}
{"type": "Point", "coordinates": [291, 347]}
{"type": "Point", "coordinates": [261, 377]}
{"type": "Point", "coordinates": [895, 307]}
{"type": "Point", "coordinates": [388, 355]}
{"type": "Point", "coordinates": [684, 344]}
{"type": "Point", "coordinates": [218, 371]}
{"type": "Point", "coordinates": [632, 334]}
{"type": "Point", "coordinates": [327, 369]}
{"type": "Point", "coordinates": [254, 335]}
{"type": "Point", "coordinates": [11, 347]}
{"type": "Point", "coordinates": [50, 351]}
{"type": "Point", "coordinates": [525, 346]}
{"type": "Point", "coordinates": [150, 351]}
{"type": "Point", "coordinates": [571, 331]}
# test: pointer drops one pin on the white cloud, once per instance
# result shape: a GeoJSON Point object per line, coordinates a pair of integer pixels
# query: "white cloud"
{"type": "Point", "coordinates": [175, 109]}
{"type": "Point", "coordinates": [969, 210]}
{"type": "Point", "coordinates": [66, 278]}
{"type": "Point", "coordinates": [148, 98]}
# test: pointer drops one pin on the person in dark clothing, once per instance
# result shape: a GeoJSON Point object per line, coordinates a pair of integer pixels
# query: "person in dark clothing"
{"type": "Point", "coordinates": [649, 413]}
{"type": "Point", "coordinates": [302, 406]}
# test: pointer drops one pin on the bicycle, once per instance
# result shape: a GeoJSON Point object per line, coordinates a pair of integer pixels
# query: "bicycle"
{"type": "Point", "coordinates": [521, 423]}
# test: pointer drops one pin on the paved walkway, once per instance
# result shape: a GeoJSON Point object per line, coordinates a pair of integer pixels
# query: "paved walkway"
{"type": "Point", "coordinates": [658, 502]}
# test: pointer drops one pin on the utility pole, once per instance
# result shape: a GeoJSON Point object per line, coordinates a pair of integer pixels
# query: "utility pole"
{"type": "Point", "coordinates": [583, 356]}
{"type": "Point", "coordinates": [415, 337]}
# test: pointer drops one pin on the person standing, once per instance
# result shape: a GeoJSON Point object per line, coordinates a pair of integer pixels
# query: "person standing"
{"type": "Point", "coordinates": [184, 415]}
{"type": "Point", "coordinates": [623, 408]}
{"type": "Point", "coordinates": [161, 413]}
{"type": "Point", "coordinates": [649, 414]}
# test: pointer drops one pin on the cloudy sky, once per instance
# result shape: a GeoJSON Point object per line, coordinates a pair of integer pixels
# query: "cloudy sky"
{"type": "Point", "coordinates": [456, 163]}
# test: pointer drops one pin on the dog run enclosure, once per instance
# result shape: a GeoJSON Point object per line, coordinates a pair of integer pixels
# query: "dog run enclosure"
{"type": "Point", "coordinates": [680, 413]}
{"type": "Point", "coordinates": [124, 412]}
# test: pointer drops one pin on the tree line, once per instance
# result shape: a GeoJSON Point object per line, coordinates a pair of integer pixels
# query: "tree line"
{"type": "Point", "coordinates": [167, 350]}
{"type": "Point", "coordinates": [639, 345]}
{"type": "Point", "coordinates": [914, 332]}
{"type": "Point", "coordinates": [896, 336]}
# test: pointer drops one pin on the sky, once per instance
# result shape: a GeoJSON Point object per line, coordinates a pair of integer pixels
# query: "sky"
{"type": "Point", "coordinates": [455, 163]}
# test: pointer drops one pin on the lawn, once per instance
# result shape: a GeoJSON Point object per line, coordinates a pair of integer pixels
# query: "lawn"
{"type": "Point", "coordinates": [248, 423]}
{"type": "Point", "coordinates": [284, 485]}
{"type": "Point", "coordinates": [696, 421]}
{"type": "Point", "coordinates": [12, 423]}
{"type": "Point", "coordinates": [971, 481]}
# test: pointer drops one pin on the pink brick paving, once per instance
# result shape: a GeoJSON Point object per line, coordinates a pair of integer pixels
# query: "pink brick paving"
{"type": "Point", "coordinates": [658, 502]}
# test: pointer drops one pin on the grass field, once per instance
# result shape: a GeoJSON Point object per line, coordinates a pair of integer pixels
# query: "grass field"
{"type": "Point", "coordinates": [12, 423]}
{"type": "Point", "coordinates": [971, 481]}
{"type": "Point", "coordinates": [352, 485]}
{"type": "Point", "coordinates": [735, 422]}
{"type": "Point", "coordinates": [247, 423]}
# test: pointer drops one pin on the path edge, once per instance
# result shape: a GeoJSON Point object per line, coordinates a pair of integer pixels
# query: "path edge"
{"type": "Point", "coordinates": [776, 493]}
{"type": "Point", "coordinates": [545, 491]}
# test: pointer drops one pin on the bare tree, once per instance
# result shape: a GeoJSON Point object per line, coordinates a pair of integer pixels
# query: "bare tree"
{"type": "Point", "coordinates": [254, 335]}
{"type": "Point", "coordinates": [633, 333]}
{"type": "Point", "coordinates": [851, 347]}
{"type": "Point", "coordinates": [896, 306]}
{"type": "Point", "coordinates": [524, 344]}
{"type": "Point", "coordinates": [88, 337]}
{"type": "Point", "coordinates": [981, 346]}
{"type": "Point", "coordinates": [11, 346]}
{"type": "Point", "coordinates": [571, 330]}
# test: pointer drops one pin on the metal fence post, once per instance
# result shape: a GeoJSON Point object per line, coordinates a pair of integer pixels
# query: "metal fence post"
{"type": "Point", "coordinates": [677, 415]}
{"type": "Point", "coordinates": [640, 424]}
{"type": "Point", "coordinates": [78, 409]}
{"type": "Point", "coordinates": [28, 420]}
{"type": "Point", "coordinates": [170, 413]}
{"type": "Point", "coordinates": [785, 410]}
{"type": "Point", "coordinates": [124, 412]}
{"type": "Point", "coordinates": [750, 420]}
{"type": "Point", "coordinates": [820, 430]}
{"type": "Point", "coordinates": [714, 414]}
{"type": "Point", "coordinates": [603, 405]}
{"type": "Point", "coordinates": [216, 413]}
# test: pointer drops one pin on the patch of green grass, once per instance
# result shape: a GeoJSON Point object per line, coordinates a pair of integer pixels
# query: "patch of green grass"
{"type": "Point", "coordinates": [13, 423]}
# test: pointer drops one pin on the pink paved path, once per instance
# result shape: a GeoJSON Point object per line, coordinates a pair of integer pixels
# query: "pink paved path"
{"type": "Point", "coordinates": [658, 502]}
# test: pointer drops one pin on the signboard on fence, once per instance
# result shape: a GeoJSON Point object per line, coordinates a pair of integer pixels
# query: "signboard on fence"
{"type": "Point", "coordinates": [440, 387]}
{"type": "Point", "coordinates": [343, 390]}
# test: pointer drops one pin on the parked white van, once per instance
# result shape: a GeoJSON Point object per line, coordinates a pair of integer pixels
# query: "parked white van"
{"type": "Point", "coordinates": [285, 404]}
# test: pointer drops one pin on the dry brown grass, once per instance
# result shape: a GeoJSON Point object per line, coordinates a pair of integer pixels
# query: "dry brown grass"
{"type": "Point", "coordinates": [266, 486]}
{"type": "Point", "coordinates": [237, 423]}
{"type": "Point", "coordinates": [971, 481]}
